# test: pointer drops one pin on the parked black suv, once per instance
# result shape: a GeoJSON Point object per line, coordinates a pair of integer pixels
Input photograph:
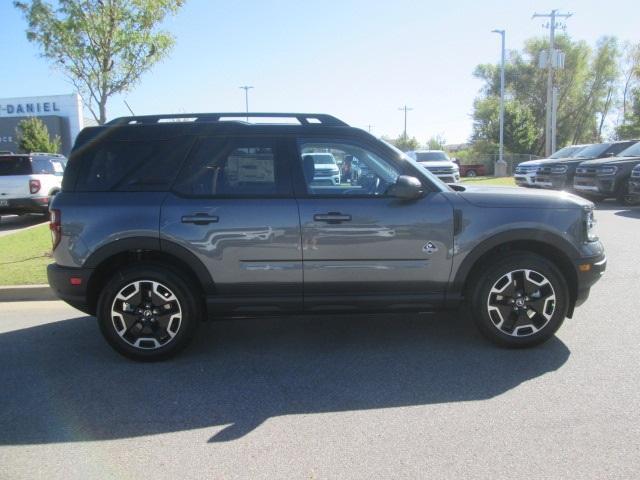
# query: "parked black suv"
{"type": "Point", "coordinates": [161, 224]}
{"type": "Point", "coordinates": [559, 175]}
{"type": "Point", "coordinates": [608, 177]}
{"type": "Point", "coordinates": [634, 185]}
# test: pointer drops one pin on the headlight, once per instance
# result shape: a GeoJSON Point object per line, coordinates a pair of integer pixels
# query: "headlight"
{"type": "Point", "coordinates": [559, 169]}
{"type": "Point", "coordinates": [608, 170]}
{"type": "Point", "coordinates": [590, 226]}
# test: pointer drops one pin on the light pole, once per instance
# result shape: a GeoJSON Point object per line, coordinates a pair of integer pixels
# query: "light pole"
{"type": "Point", "coordinates": [501, 151]}
{"type": "Point", "coordinates": [246, 89]}
{"type": "Point", "coordinates": [549, 141]}
{"type": "Point", "coordinates": [405, 109]}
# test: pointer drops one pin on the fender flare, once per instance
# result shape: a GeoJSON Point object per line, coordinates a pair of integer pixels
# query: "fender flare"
{"type": "Point", "coordinates": [521, 234]}
{"type": "Point", "coordinates": [153, 244]}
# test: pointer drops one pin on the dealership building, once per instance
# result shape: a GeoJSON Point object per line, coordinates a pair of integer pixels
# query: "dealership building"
{"type": "Point", "coordinates": [62, 114]}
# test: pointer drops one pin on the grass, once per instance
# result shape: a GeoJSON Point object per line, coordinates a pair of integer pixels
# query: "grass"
{"type": "Point", "coordinates": [499, 181]}
{"type": "Point", "coordinates": [24, 256]}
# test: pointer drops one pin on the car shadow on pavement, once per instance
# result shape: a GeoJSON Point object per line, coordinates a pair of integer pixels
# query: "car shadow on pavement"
{"type": "Point", "coordinates": [14, 222]}
{"type": "Point", "coordinates": [60, 382]}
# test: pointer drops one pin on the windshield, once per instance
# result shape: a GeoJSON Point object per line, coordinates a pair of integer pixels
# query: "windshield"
{"type": "Point", "coordinates": [415, 164]}
{"type": "Point", "coordinates": [431, 156]}
{"type": "Point", "coordinates": [632, 151]}
{"type": "Point", "coordinates": [568, 152]}
{"type": "Point", "coordinates": [594, 151]}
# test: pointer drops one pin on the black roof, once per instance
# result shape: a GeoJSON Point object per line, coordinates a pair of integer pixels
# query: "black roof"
{"type": "Point", "coordinates": [302, 118]}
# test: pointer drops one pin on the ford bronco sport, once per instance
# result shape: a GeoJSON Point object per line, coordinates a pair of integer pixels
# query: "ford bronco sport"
{"type": "Point", "coordinates": [161, 224]}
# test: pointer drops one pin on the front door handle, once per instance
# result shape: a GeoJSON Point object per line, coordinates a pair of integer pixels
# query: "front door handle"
{"type": "Point", "coordinates": [332, 217]}
{"type": "Point", "coordinates": [200, 219]}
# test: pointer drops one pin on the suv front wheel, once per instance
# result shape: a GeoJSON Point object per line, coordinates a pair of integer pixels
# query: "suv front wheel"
{"type": "Point", "coordinates": [520, 301]}
{"type": "Point", "coordinates": [147, 312]}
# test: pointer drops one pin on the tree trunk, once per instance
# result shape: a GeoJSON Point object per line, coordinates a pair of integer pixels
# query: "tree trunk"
{"type": "Point", "coordinates": [103, 110]}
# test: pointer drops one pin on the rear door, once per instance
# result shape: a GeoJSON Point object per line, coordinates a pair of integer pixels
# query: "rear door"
{"type": "Point", "coordinates": [362, 249]}
{"type": "Point", "coordinates": [15, 171]}
{"type": "Point", "coordinates": [232, 206]}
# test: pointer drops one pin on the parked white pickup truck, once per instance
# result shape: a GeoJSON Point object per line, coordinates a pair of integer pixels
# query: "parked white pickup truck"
{"type": "Point", "coordinates": [29, 181]}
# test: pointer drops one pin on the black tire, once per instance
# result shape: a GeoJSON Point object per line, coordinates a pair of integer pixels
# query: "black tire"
{"type": "Point", "coordinates": [489, 322]}
{"type": "Point", "coordinates": [188, 303]}
{"type": "Point", "coordinates": [470, 173]}
{"type": "Point", "coordinates": [624, 198]}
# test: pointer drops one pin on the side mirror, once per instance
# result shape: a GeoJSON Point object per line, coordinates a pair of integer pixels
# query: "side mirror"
{"type": "Point", "coordinates": [406, 187]}
{"type": "Point", "coordinates": [611, 154]}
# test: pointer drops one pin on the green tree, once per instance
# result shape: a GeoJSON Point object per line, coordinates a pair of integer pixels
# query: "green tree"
{"type": "Point", "coordinates": [102, 46]}
{"type": "Point", "coordinates": [586, 85]}
{"type": "Point", "coordinates": [436, 142]}
{"type": "Point", "coordinates": [630, 128]}
{"type": "Point", "coordinates": [404, 144]}
{"type": "Point", "coordinates": [520, 130]}
{"type": "Point", "coordinates": [33, 136]}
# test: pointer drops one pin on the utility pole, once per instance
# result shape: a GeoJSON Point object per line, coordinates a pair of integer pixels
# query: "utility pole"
{"type": "Point", "coordinates": [405, 109]}
{"type": "Point", "coordinates": [369, 128]}
{"type": "Point", "coordinates": [501, 151]}
{"type": "Point", "coordinates": [551, 56]}
{"type": "Point", "coordinates": [246, 89]}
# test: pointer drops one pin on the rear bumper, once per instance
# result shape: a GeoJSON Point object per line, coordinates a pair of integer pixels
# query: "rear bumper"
{"type": "Point", "coordinates": [18, 206]}
{"type": "Point", "coordinates": [587, 278]}
{"type": "Point", "coordinates": [60, 282]}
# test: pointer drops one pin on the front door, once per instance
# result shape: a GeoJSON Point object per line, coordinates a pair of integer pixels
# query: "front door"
{"type": "Point", "coordinates": [362, 249]}
{"type": "Point", "coordinates": [234, 209]}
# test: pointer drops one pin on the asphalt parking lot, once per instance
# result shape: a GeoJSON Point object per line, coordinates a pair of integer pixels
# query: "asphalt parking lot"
{"type": "Point", "coordinates": [405, 396]}
{"type": "Point", "coordinates": [13, 223]}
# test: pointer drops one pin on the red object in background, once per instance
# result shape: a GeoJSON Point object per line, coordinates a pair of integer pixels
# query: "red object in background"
{"type": "Point", "coordinates": [475, 170]}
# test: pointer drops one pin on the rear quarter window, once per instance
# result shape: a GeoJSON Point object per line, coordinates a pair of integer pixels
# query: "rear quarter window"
{"type": "Point", "coordinates": [126, 166]}
{"type": "Point", "coordinates": [14, 166]}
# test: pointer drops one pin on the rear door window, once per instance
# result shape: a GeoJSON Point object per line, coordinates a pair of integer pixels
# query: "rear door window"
{"type": "Point", "coordinates": [236, 167]}
{"type": "Point", "coordinates": [50, 166]}
{"type": "Point", "coordinates": [14, 166]}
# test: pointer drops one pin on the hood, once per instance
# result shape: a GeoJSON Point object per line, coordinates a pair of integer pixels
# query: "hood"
{"type": "Point", "coordinates": [610, 160]}
{"type": "Point", "coordinates": [514, 197]}
{"type": "Point", "coordinates": [535, 163]}
{"type": "Point", "coordinates": [437, 164]}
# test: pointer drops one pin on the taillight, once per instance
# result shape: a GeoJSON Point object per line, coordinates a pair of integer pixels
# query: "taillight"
{"type": "Point", "coordinates": [55, 225]}
{"type": "Point", "coordinates": [34, 186]}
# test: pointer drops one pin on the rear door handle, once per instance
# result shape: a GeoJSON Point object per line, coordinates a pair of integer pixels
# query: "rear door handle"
{"type": "Point", "coordinates": [200, 219]}
{"type": "Point", "coordinates": [332, 217]}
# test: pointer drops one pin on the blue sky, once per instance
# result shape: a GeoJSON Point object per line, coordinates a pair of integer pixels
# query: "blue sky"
{"type": "Point", "coordinates": [359, 60]}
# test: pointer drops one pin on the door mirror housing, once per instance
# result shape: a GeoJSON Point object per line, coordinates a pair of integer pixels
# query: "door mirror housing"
{"type": "Point", "coordinates": [406, 187]}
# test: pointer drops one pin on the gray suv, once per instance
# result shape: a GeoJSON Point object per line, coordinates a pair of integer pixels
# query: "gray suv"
{"type": "Point", "coordinates": [161, 224]}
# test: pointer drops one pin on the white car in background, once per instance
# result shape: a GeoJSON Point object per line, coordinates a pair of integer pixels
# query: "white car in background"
{"type": "Point", "coordinates": [438, 163]}
{"type": "Point", "coordinates": [29, 181]}
{"type": "Point", "coordinates": [326, 170]}
{"type": "Point", "coordinates": [524, 174]}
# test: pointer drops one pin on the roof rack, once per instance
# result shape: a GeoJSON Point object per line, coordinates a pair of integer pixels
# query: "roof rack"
{"type": "Point", "coordinates": [302, 118]}
{"type": "Point", "coordinates": [45, 153]}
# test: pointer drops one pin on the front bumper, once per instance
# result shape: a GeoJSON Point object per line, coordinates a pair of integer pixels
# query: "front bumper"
{"type": "Point", "coordinates": [18, 206]}
{"type": "Point", "coordinates": [634, 186]}
{"type": "Point", "coordinates": [556, 182]}
{"type": "Point", "coordinates": [589, 271]}
{"type": "Point", "coordinates": [449, 177]}
{"type": "Point", "coordinates": [525, 180]}
{"type": "Point", "coordinates": [603, 186]}
{"type": "Point", "coordinates": [60, 279]}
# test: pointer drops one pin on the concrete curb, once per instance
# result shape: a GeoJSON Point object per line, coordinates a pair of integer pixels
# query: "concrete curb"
{"type": "Point", "coordinates": [26, 293]}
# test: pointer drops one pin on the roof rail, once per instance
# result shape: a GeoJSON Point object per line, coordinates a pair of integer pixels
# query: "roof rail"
{"type": "Point", "coordinates": [302, 118]}
{"type": "Point", "coordinates": [46, 153]}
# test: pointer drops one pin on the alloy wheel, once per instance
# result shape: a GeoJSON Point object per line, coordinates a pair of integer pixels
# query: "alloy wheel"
{"type": "Point", "coordinates": [521, 302]}
{"type": "Point", "coordinates": [146, 314]}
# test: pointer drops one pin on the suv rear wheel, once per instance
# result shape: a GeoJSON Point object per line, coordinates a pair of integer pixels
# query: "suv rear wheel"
{"type": "Point", "coordinates": [520, 301]}
{"type": "Point", "coordinates": [148, 312]}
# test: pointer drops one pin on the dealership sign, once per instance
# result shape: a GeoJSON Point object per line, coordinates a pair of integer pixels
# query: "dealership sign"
{"type": "Point", "coordinates": [62, 114]}
{"type": "Point", "coordinates": [28, 108]}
